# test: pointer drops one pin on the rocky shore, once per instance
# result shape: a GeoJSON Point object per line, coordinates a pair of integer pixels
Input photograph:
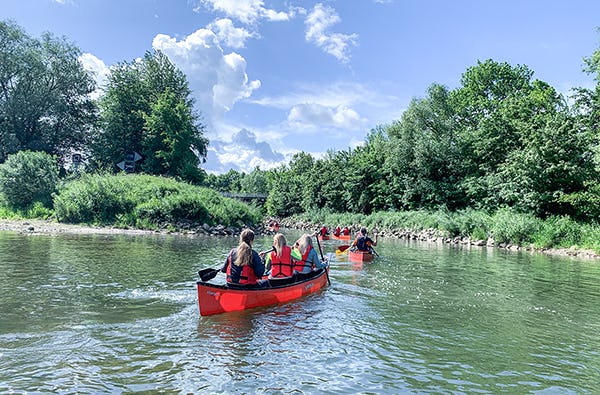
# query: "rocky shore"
{"type": "Point", "coordinates": [436, 236]}
{"type": "Point", "coordinates": [32, 227]}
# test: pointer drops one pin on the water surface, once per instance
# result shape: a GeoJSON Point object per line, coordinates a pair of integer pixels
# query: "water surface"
{"type": "Point", "coordinates": [119, 314]}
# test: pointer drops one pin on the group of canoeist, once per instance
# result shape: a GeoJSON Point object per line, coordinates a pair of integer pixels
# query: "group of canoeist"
{"type": "Point", "coordinates": [245, 266]}
{"type": "Point", "coordinates": [362, 242]}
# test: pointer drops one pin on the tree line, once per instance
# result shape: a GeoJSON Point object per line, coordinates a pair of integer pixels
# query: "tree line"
{"type": "Point", "coordinates": [501, 139]}
{"type": "Point", "coordinates": [145, 107]}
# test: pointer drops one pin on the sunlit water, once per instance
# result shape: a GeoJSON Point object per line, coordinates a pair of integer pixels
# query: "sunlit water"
{"type": "Point", "coordinates": [119, 314]}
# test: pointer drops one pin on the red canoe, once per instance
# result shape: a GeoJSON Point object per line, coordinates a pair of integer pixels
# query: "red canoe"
{"type": "Point", "coordinates": [360, 256]}
{"type": "Point", "coordinates": [341, 237]}
{"type": "Point", "coordinates": [326, 237]}
{"type": "Point", "coordinates": [216, 299]}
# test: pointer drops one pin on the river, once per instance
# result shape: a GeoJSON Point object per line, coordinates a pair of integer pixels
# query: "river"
{"type": "Point", "coordinates": [118, 314]}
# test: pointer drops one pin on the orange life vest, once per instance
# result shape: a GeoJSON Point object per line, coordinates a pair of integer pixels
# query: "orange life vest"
{"type": "Point", "coordinates": [246, 277]}
{"type": "Point", "coordinates": [301, 264]}
{"type": "Point", "coordinates": [281, 266]}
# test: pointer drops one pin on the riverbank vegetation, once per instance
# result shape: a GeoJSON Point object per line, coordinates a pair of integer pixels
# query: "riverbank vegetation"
{"type": "Point", "coordinates": [502, 156]}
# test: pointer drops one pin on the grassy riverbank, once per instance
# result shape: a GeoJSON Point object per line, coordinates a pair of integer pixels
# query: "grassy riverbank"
{"type": "Point", "coordinates": [502, 228]}
{"type": "Point", "coordinates": [141, 202]}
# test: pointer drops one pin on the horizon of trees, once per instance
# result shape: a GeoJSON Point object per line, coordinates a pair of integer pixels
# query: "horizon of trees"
{"type": "Point", "coordinates": [500, 139]}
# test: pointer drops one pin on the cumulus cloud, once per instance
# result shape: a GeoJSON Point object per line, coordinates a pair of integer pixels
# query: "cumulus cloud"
{"type": "Point", "coordinates": [242, 153]}
{"type": "Point", "coordinates": [317, 114]}
{"type": "Point", "coordinates": [318, 22]}
{"type": "Point", "coordinates": [246, 11]}
{"type": "Point", "coordinates": [230, 35]}
{"type": "Point", "coordinates": [98, 69]}
{"type": "Point", "coordinates": [218, 80]}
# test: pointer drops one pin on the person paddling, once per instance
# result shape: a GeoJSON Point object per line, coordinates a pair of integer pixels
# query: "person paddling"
{"type": "Point", "coordinates": [243, 265]}
{"type": "Point", "coordinates": [364, 242]}
{"type": "Point", "coordinates": [305, 257]}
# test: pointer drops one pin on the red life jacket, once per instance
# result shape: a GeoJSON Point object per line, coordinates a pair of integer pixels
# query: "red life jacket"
{"type": "Point", "coordinates": [301, 264]}
{"type": "Point", "coordinates": [247, 276]}
{"type": "Point", "coordinates": [337, 231]}
{"type": "Point", "coordinates": [346, 231]}
{"type": "Point", "coordinates": [281, 266]}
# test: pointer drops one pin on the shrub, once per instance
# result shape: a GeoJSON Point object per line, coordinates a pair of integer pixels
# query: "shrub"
{"type": "Point", "coordinates": [28, 177]}
{"type": "Point", "coordinates": [147, 201]}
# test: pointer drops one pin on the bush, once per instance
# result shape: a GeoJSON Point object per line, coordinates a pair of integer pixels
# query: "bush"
{"type": "Point", "coordinates": [28, 177]}
{"type": "Point", "coordinates": [146, 201]}
{"type": "Point", "coordinates": [515, 228]}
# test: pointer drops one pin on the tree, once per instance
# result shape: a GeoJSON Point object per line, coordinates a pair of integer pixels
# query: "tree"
{"type": "Point", "coordinates": [147, 108]}
{"type": "Point", "coordinates": [171, 141]}
{"type": "Point", "coordinates": [44, 94]}
{"type": "Point", "coordinates": [28, 177]}
{"type": "Point", "coordinates": [423, 164]}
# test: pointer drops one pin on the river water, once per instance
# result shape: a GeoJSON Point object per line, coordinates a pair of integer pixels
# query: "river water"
{"type": "Point", "coordinates": [118, 314]}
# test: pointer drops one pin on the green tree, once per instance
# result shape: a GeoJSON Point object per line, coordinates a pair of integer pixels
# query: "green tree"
{"type": "Point", "coordinates": [147, 108]}
{"type": "Point", "coordinates": [44, 94]}
{"type": "Point", "coordinates": [422, 167]}
{"type": "Point", "coordinates": [28, 177]}
{"type": "Point", "coordinates": [171, 140]}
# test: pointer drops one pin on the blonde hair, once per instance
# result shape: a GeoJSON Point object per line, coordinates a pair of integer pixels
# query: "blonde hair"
{"type": "Point", "coordinates": [304, 242]}
{"type": "Point", "coordinates": [244, 250]}
{"type": "Point", "coordinates": [279, 242]}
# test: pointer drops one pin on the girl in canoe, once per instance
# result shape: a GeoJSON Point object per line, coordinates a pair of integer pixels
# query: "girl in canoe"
{"type": "Point", "coordinates": [305, 256]}
{"type": "Point", "coordinates": [243, 265]}
{"type": "Point", "coordinates": [279, 261]}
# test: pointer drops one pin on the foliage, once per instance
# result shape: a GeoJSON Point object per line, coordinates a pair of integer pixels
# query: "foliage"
{"type": "Point", "coordinates": [44, 94]}
{"type": "Point", "coordinates": [147, 109]}
{"type": "Point", "coordinates": [146, 201]}
{"type": "Point", "coordinates": [28, 177]}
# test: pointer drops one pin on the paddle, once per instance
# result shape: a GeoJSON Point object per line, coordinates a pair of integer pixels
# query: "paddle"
{"type": "Point", "coordinates": [323, 258]}
{"type": "Point", "coordinates": [342, 249]}
{"type": "Point", "coordinates": [208, 274]}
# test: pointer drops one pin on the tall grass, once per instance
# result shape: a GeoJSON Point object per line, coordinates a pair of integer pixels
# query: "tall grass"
{"type": "Point", "coordinates": [146, 201]}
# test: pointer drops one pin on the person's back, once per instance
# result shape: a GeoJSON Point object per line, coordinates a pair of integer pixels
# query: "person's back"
{"type": "Point", "coordinates": [280, 260]}
{"type": "Point", "coordinates": [305, 258]}
{"type": "Point", "coordinates": [243, 265]}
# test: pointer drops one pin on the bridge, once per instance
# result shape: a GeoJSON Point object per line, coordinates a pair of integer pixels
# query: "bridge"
{"type": "Point", "coordinates": [247, 197]}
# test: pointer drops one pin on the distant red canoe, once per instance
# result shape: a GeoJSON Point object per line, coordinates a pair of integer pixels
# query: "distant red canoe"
{"type": "Point", "coordinates": [216, 299]}
{"type": "Point", "coordinates": [360, 256]}
{"type": "Point", "coordinates": [341, 237]}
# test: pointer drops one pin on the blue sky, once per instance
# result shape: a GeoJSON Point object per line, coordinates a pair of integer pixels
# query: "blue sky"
{"type": "Point", "coordinates": [272, 78]}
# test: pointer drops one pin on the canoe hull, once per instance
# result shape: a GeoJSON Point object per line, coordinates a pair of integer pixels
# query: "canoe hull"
{"type": "Point", "coordinates": [216, 299]}
{"type": "Point", "coordinates": [341, 237]}
{"type": "Point", "coordinates": [360, 256]}
{"type": "Point", "coordinates": [322, 238]}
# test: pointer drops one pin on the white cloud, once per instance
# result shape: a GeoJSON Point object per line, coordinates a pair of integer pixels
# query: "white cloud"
{"type": "Point", "coordinates": [243, 153]}
{"type": "Point", "coordinates": [230, 35]}
{"type": "Point", "coordinates": [318, 22]}
{"type": "Point", "coordinates": [317, 114]}
{"type": "Point", "coordinates": [246, 11]}
{"type": "Point", "coordinates": [218, 80]}
{"type": "Point", "coordinates": [98, 69]}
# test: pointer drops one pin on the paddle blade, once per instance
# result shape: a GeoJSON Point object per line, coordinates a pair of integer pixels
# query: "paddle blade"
{"type": "Point", "coordinates": [343, 248]}
{"type": "Point", "coordinates": [208, 274]}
